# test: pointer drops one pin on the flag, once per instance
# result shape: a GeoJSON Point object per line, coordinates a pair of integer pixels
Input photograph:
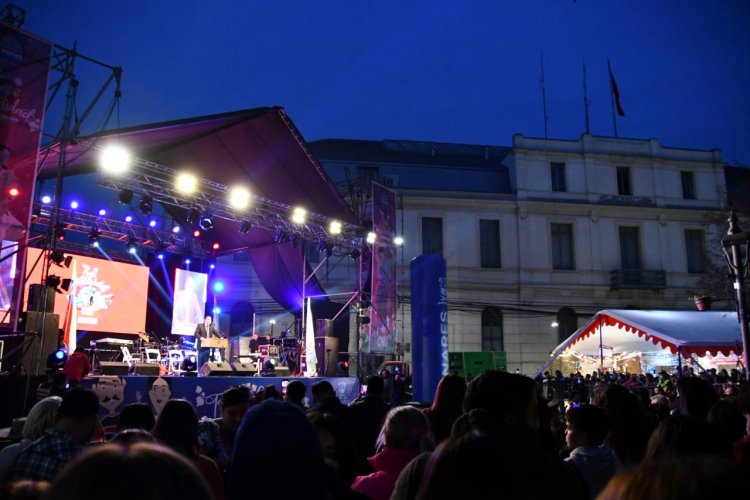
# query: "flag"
{"type": "Point", "coordinates": [70, 325]}
{"type": "Point", "coordinates": [615, 91]}
{"type": "Point", "coordinates": [311, 358]}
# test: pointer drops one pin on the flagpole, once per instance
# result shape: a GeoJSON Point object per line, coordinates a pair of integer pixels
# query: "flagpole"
{"type": "Point", "coordinates": [612, 99]}
{"type": "Point", "coordinates": [544, 98]}
{"type": "Point", "coordinates": [586, 99]}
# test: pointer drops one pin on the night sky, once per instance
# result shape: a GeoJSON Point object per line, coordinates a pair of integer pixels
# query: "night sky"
{"type": "Point", "coordinates": [464, 72]}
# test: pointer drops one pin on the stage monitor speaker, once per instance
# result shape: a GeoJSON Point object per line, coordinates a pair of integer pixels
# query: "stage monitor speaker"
{"type": "Point", "coordinates": [35, 352]}
{"type": "Point", "coordinates": [244, 368]}
{"type": "Point", "coordinates": [327, 352]}
{"type": "Point", "coordinates": [280, 371]}
{"type": "Point", "coordinates": [151, 369]}
{"type": "Point", "coordinates": [41, 298]}
{"type": "Point", "coordinates": [113, 368]}
{"type": "Point", "coordinates": [213, 369]}
{"type": "Point", "coordinates": [324, 328]}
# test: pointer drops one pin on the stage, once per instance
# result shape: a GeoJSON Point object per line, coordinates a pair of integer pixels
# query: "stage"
{"type": "Point", "coordinates": [203, 392]}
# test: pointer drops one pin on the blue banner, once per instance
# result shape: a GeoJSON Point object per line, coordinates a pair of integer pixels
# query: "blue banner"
{"type": "Point", "coordinates": [429, 318]}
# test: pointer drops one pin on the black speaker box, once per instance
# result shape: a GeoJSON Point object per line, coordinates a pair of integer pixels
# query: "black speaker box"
{"type": "Point", "coordinates": [41, 298]}
{"type": "Point", "coordinates": [327, 352]}
{"type": "Point", "coordinates": [113, 368]}
{"type": "Point", "coordinates": [41, 340]}
{"type": "Point", "coordinates": [245, 368]}
{"type": "Point", "coordinates": [213, 369]}
{"type": "Point", "coordinates": [151, 369]}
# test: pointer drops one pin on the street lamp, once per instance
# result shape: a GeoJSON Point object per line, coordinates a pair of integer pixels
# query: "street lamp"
{"type": "Point", "coordinates": [736, 246]}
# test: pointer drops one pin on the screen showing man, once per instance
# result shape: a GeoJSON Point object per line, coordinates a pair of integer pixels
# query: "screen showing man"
{"type": "Point", "coordinates": [189, 301]}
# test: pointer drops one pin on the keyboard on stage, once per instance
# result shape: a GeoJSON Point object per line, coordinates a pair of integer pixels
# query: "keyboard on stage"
{"type": "Point", "coordinates": [113, 341]}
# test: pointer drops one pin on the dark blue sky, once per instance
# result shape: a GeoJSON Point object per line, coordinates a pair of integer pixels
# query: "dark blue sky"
{"type": "Point", "coordinates": [466, 72]}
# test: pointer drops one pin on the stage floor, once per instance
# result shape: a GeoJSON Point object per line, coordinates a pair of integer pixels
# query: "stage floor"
{"type": "Point", "coordinates": [116, 391]}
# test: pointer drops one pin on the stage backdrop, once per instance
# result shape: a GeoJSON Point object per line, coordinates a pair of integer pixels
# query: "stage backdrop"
{"type": "Point", "coordinates": [109, 296]}
{"type": "Point", "coordinates": [189, 304]}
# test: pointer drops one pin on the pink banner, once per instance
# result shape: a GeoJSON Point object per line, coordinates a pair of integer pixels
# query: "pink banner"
{"type": "Point", "coordinates": [382, 334]}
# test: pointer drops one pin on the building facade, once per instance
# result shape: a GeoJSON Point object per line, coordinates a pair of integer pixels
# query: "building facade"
{"type": "Point", "coordinates": [540, 235]}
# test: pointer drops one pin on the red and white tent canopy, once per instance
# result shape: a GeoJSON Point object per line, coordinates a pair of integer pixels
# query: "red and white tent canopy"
{"type": "Point", "coordinates": [624, 331]}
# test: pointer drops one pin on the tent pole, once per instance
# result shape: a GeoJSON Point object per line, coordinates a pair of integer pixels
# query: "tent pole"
{"type": "Point", "coordinates": [601, 347]}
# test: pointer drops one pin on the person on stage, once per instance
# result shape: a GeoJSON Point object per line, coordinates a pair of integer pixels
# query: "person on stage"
{"type": "Point", "coordinates": [207, 330]}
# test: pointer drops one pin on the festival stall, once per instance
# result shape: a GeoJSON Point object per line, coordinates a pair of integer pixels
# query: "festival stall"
{"type": "Point", "coordinates": [637, 341]}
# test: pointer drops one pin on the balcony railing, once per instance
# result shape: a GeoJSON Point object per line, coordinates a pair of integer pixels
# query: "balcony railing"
{"type": "Point", "coordinates": [638, 278]}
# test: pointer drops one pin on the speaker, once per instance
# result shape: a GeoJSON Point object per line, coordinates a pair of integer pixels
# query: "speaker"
{"type": "Point", "coordinates": [41, 340]}
{"type": "Point", "coordinates": [327, 352]}
{"type": "Point", "coordinates": [245, 368]}
{"type": "Point", "coordinates": [280, 371]}
{"type": "Point", "coordinates": [151, 369]}
{"type": "Point", "coordinates": [213, 369]}
{"type": "Point", "coordinates": [113, 368]}
{"type": "Point", "coordinates": [41, 298]}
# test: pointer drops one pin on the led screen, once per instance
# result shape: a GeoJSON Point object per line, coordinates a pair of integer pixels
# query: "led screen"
{"type": "Point", "coordinates": [189, 301]}
{"type": "Point", "coordinates": [110, 296]}
{"type": "Point", "coordinates": [7, 273]}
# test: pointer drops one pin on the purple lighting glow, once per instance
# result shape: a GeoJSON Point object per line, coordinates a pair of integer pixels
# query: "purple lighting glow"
{"type": "Point", "coordinates": [102, 212]}
{"type": "Point", "coordinates": [152, 223]}
{"type": "Point", "coordinates": [128, 218]}
{"type": "Point", "coordinates": [74, 204]}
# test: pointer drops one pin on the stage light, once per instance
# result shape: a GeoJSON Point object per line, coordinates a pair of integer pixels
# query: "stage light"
{"type": "Point", "coordinates": [132, 245]}
{"type": "Point", "coordinates": [206, 222]}
{"type": "Point", "coordinates": [52, 281]}
{"type": "Point", "coordinates": [74, 204]}
{"type": "Point", "coordinates": [189, 364]}
{"type": "Point", "coordinates": [212, 266]}
{"type": "Point", "coordinates": [56, 360]}
{"type": "Point", "coordinates": [152, 223]}
{"type": "Point", "coordinates": [160, 255]}
{"type": "Point", "coordinates": [245, 226]}
{"type": "Point", "coordinates": [239, 198]}
{"type": "Point", "coordinates": [355, 253]}
{"type": "Point", "coordinates": [60, 231]}
{"type": "Point", "coordinates": [125, 196]}
{"type": "Point", "coordinates": [192, 216]}
{"type": "Point", "coordinates": [280, 236]}
{"type": "Point", "coordinates": [216, 310]}
{"type": "Point", "coordinates": [13, 192]}
{"type": "Point", "coordinates": [128, 218]}
{"type": "Point", "coordinates": [215, 246]}
{"type": "Point", "coordinates": [196, 233]}
{"type": "Point", "coordinates": [218, 286]}
{"type": "Point", "coordinates": [186, 183]}
{"type": "Point", "coordinates": [115, 160]}
{"type": "Point", "coordinates": [146, 205]}
{"type": "Point", "coordinates": [59, 258]}
{"type": "Point", "coordinates": [176, 229]}
{"type": "Point", "coordinates": [46, 199]}
{"type": "Point", "coordinates": [299, 215]}
{"type": "Point", "coordinates": [342, 369]}
{"type": "Point", "coordinates": [398, 241]}
{"type": "Point", "coordinates": [371, 237]}
{"type": "Point", "coordinates": [187, 261]}
{"type": "Point", "coordinates": [102, 212]}
{"type": "Point", "coordinates": [334, 227]}
{"type": "Point", "coordinates": [94, 237]}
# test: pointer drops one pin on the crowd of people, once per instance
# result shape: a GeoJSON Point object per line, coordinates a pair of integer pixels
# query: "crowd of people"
{"type": "Point", "coordinates": [496, 436]}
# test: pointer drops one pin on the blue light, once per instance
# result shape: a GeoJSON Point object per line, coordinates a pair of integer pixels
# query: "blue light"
{"type": "Point", "coordinates": [60, 355]}
{"type": "Point", "coordinates": [102, 212]}
{"type": "Point", "coordinates": [160, 255]}
{"type": "Point", "coordinates": [187, 261]}
{"type": "Point", "coordinates": [132, 250]}
{"type": "Point", "coordinates": [218, 286]}
{"type": "Point", "coordinates": [176, 229]}
{"type": "Point", "coordinates": [46, 199]}
{"type": "Point", "coordinates": [74, 204]}
{"type": "Point", "coordinates": [216, 310]}
{"type": "Point", "coordinates": [128, 218]}
{"type": "Point", "coordinates": [212, 266]}
{"type": "Point", "coordinates": [152, 223]}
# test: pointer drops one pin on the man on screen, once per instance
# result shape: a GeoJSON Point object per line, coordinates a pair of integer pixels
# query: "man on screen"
{"type": "Point", "coordinates": [207, 330]}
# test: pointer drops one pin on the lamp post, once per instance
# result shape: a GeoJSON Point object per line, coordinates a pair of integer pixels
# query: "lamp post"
{"type": "Point", "coordinates": [736, 245]}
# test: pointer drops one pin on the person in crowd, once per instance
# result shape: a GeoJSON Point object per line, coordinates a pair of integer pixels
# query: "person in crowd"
{"type": "Point", "coordinates": [136, 416]}
{"type": "Point", "coordinates": [177, 427]}
{"type": "Point", "coordinates": [682, 435]}
{"type": "Point", "coordinates": [404, 435]}
{"type": "Point", "coordinates": [295, 394]}
{"type": "Point", "coordinates": [742, 447]}
{"type": "Point", "coordinates": [133, 435]}
{"type": "Point", "coordinates": [216, 437]}
{"type": "Point", "coordinates": [695, 397]}
{"type": "Point", "coordinates": [24, 489]}
{"type": "Point", "coordinates": [143, 471]}
{"type": "Point", "coordinates": [273, 433]}
{"type": "Point", "coordinates": [368, 413]}
{"type": "Point", "coordinates": [727, 421]}
{"type": "Point", "coordinates": [689, 478]}
{"type": "Point", "coordinates": [338, 451]}
{"type": "Point", "coordinates": [53, 386]}
{"type": "Point", "coordinates": [659, 404]}
{"type": "Point", "coordinates": [326, 401]}
{"type": "Point", "coordinates": [271, 392]}
{"type": "Point", "coordinates": [585, 433]}
{"type": "Point", "coordinates": [76, 367]}
{"type": "Point", "coordinates": [74, 426]}
{"type": "Point", "coordinates": [446, 407]}
{"type": "Point", "coordinates": [40, 418]}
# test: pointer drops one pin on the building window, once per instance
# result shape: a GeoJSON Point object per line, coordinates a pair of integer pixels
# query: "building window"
{"type": "Point", "coordinates": [623, 181]}
{"type": "Point", "coordinates": [567, 323]}
{"type": "Point", "coordinates": [688, 185]}
{"type": "Point", "coordinates": [492, 329]}
{"type": "Point", "coordinates": [630, 248]}
{"type": "Point", "coordinates": [432, 235]}
{"type": "Point", "coordinates": [557, 173]}
{"type": "Point", "coordinates": [562, 246]}
{"type": "Point", "coordinates": [696, 259]}
{"type": "Point", "coordinates": [489, 243]}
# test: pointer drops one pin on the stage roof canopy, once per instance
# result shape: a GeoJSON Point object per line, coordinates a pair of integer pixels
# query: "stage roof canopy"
{"type": "Point", "coordinates": [626, 331]}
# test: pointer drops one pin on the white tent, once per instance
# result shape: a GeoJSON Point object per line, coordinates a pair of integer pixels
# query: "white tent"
{"type": "Point", "coordinates": [622, 331]}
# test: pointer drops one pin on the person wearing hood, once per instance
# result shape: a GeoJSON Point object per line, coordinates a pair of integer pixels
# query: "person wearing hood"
{"type": "Point", "coordinates": [586, 429]}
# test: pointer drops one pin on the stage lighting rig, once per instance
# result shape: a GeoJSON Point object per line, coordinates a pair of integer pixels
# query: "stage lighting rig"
{"type": "Point", "coordinates": [280, 236]}
{"type": "Point", "coordinates": [206, 222]}
{"type": "Point", "coordinates": [192, 216]}
{"type": "Point", "coordinates": [94, 236]}
{"type": "Point", "coordinates": [132, 245]}
{"type": "Point", "coordinates": [146, 204]}
{"type": "Point", "coordinates": [60, 228]}
{"type": "Point", "coordinates": [59, 258]}
{"type": "Point", "coordinates": [125, 196]}
{"type": "Point", "coordinates": [245, 226]}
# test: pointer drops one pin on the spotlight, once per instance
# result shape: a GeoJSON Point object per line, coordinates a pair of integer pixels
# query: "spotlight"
{"type": "Point", "coordinates": [269, 366]}
{"type": "Point", "coordinates": [206, 222]}
{"type": "Point", "coordinates": [126, 196]}
{"type": "Point", "coordinates": [245, 226]}
{"type": "Point", "coordinates": [239, 198]}
{"type": "Point", "coordinates": [342, 369]}
{"type": "Point", "coordinates": [187, 261]}
{"type": "Point", "coordinates": [189, 364]}
{"type": "Point", "coordinates": [46, 199]}
{"type": "Point", "coordinates": [13, 192]}
{"type": "Point", "coordinates": [186, 183]}
{"type": "Point", "coordinates": [94, 237]}
{"type": "Point", "coordinates": [196, 233]}
{"type": "Point", "coordinates": [176, 229]}
{"type": "Point", "coordinates": [102, 212]}
{"type": "Point", "coordinates": [132, 245]}
{"type": "Point", "coordinates": [56, 360]}
{"type": "Point", "coordinates": [59, 258]}
{"type": "Point", "coordinates": [216, 310]}
{"type": "Point", "coordinates": [371, 237]}
{"type": "Point", "coordinates": [334, 227]}
{"type": "Point", "coordinates": [280, 236]}
{"type": "Point", "coordinates": [152, 223]}
{"type": "Point", "coordinates": [398, 241]}
{"type": "Point", "coordinates": [60, 231]}
{"type": "Point", "coordinates": [192, 216]}
{"type": "Point", "coordinates": [52, 281]}
{"type": "Point", "coordinates": [114, 160]}
{"type": "Point", "coordinates": [212, 266]}
{"type": "Point", "coordinates": [299, 215]}
{"type": "Point", "coordinates": [74, 204]}
{"type": "Point", "coordinates": [160, 255]}
{"type": "Point", "coordinates": [218, 286]}
{"type": "Point", "coordinates": [215, 246]}
{"type": "Point", "coordinates": [146, 204]}
{"type": "Point", "coordinates": [128, 218]}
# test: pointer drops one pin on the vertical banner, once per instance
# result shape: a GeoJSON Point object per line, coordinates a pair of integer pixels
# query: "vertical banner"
{"type": "Point", "coordinates": [382, 335]}
{"type": "Point", "coordinates": [24, 74]}
{"type": "Point", "coordinates": [429, 318]}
